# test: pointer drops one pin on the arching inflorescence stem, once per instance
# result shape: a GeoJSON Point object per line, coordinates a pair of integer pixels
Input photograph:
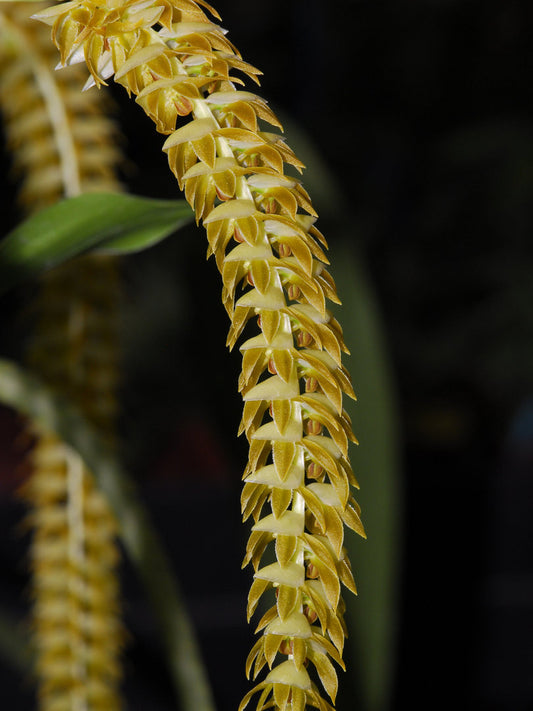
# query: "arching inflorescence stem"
{"type": "Point", "coordinates": [260, 228]}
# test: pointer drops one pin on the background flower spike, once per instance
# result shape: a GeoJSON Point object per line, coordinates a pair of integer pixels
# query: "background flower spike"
{"type": "Point", "coordinates": [64, 144]}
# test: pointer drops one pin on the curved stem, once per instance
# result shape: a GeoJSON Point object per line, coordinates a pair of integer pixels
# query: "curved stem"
{"type": "Point", "coordinates": [55, 106]}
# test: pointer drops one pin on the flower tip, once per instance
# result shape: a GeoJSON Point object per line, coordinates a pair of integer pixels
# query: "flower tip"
{"type": "Point", "coordinates": [89, 84]}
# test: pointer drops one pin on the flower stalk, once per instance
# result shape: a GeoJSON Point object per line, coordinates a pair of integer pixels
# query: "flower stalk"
{"type": "Point", "coordinates": [260, 223]}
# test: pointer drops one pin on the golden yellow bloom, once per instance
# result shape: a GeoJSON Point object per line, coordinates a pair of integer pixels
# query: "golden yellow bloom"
{"type": "Point", "coordinates": [260, 228]}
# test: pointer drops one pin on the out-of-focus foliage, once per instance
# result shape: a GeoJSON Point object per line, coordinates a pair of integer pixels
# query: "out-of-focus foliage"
{"type": "Point", "coordinates": [109, 223]}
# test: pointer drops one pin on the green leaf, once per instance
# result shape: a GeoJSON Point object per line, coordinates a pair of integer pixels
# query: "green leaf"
{"type": "Point", "coordinates": [372, 616]}
{"type": "Point", "coordinates": [22, 391]}
{"type": "Point", "coordinates": [111, 223]}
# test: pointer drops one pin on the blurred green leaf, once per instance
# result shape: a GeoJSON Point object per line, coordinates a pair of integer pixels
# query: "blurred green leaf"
{"type": "Point", "coordinates": [14, 648]}
{"type": "Point", "coordinates": [111, 223]}
{"type": "Point", "coordinates": [372, 615]}
{"type": "Point", "coordinates": [21, 390]}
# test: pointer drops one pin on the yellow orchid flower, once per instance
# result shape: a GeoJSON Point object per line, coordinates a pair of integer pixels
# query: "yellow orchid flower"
{"type": "Point", "coordinates": [260, 226]}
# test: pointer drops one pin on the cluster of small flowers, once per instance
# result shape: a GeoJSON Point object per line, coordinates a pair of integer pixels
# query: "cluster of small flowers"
{"type": "Point", "coordinates": [260, 228]}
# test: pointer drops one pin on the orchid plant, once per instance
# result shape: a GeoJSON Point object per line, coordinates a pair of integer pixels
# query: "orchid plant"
{"type": "Point", "coordinates": [242, 183]}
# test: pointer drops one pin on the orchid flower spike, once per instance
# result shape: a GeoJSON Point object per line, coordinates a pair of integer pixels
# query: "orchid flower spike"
{"type": "Point", "coordinates": [231, 162]}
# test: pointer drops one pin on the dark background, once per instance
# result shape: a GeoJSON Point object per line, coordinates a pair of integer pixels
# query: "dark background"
{"type": "Point", "coordinates": [422, 110]}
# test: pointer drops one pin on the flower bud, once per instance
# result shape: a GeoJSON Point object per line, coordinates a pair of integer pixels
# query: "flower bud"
{"type": "Point", "coordinates": [314, 470]}
{"type": "Point", "coordinates": [304, 339]}
{"type": "Point", "coordinates": [314, 427]}
{"type": "Point", "coordinates": [293, 292]}
{"type": "Point", "coordinates": [311, 385]}
{"type": "Point", "coordinates": [310, 613]}
{"type": "Point", "coordinates": [312, 571]}
{"type": "Point", "coordinates": [286, 646]}
{"type": "Point", "coordinates": [270, 206]}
